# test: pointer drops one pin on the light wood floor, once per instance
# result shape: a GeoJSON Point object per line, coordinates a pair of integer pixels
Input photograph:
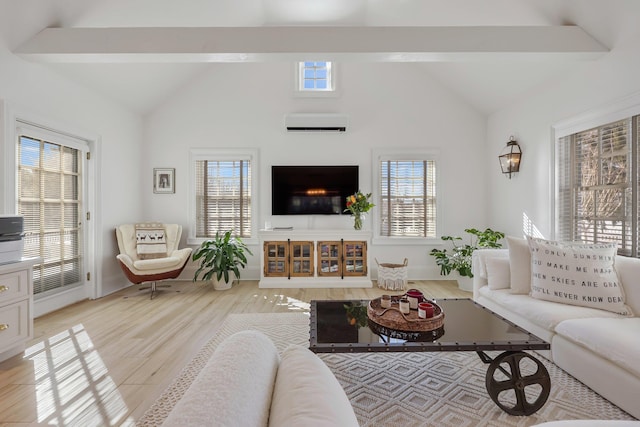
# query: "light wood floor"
{"type": "Point", "coordinates": [104, 362]}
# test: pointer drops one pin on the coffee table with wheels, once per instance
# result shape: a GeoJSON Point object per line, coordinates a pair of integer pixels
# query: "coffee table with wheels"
{"type": "Point", "coordinates": [515, 380]}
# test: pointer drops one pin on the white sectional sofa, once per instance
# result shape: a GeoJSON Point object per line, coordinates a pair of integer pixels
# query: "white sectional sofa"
{"type": "Point", "coordinates": [601, 348]}
{"type": "Point", "coordinates": [247, 383]}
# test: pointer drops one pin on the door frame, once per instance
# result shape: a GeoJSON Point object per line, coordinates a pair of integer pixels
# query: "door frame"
{"type": "Point", "coordinates": [13, 116]}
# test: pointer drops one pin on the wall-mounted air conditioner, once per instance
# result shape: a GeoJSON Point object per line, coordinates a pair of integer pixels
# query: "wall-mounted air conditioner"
{"type": "Point", "coordinates": [315, 122]}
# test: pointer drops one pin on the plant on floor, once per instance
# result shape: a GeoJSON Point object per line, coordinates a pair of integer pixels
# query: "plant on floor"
{"type": "Point", "coordinates": [459, 259]}
{"type": "Point", "coordinates": [220, 256]}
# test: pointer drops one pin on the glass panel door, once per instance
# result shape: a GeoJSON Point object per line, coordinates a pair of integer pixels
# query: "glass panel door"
{"type": "Point", "coordinates": [302, 259]}
{"type": "Point", "coordinates": [50, 200]}
{"type": "Point", "coordinates": [329, 258]}
{"type": "Point", "coordinates": [276, 255]}
{"type": "Point", "coordinates": [355, 255]}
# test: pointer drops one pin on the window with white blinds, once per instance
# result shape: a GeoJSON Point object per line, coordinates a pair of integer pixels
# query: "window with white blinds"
{"type": "Point", "coordinates": [408, 198]}
{"type": "Point", "coordinates": [223, 197]}
{"type": "Point", "coordinates": [49, 198]}
{"type": "Point", "coordinates": [597, 185]}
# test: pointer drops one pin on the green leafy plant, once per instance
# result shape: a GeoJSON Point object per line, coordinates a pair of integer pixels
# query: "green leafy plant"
{"type": "Point", "coordinates": [459, 258]}
{"type": "Point", "coordinates": [220, 256]}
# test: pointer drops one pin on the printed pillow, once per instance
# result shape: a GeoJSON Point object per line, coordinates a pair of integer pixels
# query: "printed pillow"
{"type": "Point", "coordinates": [151, 241]}
{"type": "Point", "coordinates": [498, 275]}
{"type": "Point", "coordinates": [577, 274]}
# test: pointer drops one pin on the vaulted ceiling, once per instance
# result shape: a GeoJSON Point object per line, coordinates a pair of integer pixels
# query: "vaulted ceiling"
{"type": "Point", "coordinates": [485, 80]}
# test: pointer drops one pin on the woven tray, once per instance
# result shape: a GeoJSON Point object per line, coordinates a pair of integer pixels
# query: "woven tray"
{"type": "Point", "coordinates": [411, 336]}
{"type": "Point", "coordinates": [394, 319]}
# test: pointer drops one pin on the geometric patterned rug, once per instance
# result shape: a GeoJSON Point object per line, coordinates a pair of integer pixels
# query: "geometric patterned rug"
{"type": "Point", "coordinates": [402, 389]}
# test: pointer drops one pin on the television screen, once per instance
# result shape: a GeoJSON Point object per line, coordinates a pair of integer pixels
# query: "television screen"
{"type": "Point", "coordinates": [306, 190]}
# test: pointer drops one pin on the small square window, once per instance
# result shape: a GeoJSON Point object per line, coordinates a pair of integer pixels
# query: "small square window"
{"type": "Point", "coordinates": [315, 76]}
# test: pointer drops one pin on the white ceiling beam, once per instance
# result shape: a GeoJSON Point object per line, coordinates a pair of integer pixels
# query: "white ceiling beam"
{"type": "Point", "coordinates": [250, 44]}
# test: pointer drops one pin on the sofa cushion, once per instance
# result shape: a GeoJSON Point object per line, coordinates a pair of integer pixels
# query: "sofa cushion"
{"type": "Point", "coordinates": [158, 263]}
{"type": "Point", "coordinates": [519, 265]}
{"type": "Point", "coordinates": [480, 257]}
{"type": "Point", "coordinates": [307, 393]}
{"type": "Point", "coordinates": [498, 274]}
{"type": "Point", "coordinates": [628, 269]}
{"type": "Point", "coordinates": [235, 386]}
{"type": "Point", "coordinates": [576, 274]}
{"type": "Point", "coordinates": [545, 314]}
{"type": "Point", "coordinates": [613, 339]}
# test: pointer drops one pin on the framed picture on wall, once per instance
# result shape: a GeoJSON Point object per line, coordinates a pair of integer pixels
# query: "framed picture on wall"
{"type": "Point", "coordinates": [164, 180]}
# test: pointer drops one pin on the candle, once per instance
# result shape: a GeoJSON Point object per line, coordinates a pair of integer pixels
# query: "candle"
{"type": "Point", "coordinates": [385, 301]}
{"type": "Point", "coordinates": [404, 306]}
{"type": "Point", "coordinates": [425, 310]}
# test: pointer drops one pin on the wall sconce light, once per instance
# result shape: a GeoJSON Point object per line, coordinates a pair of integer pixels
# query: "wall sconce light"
{"type": "Point", "coordinates": [510, 157]}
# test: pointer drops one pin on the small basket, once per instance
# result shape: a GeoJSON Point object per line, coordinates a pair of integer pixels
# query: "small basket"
{"type": "Point", "coordinates": [392, 276]}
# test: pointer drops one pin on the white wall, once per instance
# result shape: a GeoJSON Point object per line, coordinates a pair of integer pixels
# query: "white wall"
{"type": "Point", "coordinates": [389, 105]}
{"type": "Point", "coordinates": [590, 85]}
{"type": "Point", "coordinates": [35, 90]}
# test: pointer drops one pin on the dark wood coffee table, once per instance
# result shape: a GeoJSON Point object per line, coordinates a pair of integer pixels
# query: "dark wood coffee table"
{"type": "Point", "coordinates": [516, 381]}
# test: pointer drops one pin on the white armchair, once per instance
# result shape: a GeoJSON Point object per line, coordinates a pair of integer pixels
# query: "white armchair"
{"type": "Point", "coordinates": [165, 264]}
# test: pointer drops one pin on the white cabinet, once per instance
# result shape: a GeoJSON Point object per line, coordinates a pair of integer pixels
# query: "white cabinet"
{"type": "Point", "coordinates": [16, 306]}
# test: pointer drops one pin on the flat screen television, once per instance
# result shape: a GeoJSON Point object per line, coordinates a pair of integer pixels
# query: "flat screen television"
{"type": "Point", "coordinates": [309, 190]}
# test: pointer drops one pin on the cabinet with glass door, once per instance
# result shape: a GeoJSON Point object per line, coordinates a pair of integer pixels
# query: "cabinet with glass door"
{"type": "Point", "coordinates": [276, 255]}
{"type": "Point", "coordinates": [288, 259]}
{"type": "Point", "coordinates": [342, 258]}
{"type": "Point", "coordinates": [355, 258]}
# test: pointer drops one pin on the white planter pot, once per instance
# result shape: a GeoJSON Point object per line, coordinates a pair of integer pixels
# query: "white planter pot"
{"type": "Point", "coordinates": [221, 285]}
{"type": "Point", "coordinates": [465, 283]}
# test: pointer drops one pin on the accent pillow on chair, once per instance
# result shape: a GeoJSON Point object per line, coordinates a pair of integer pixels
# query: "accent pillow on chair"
{"type": "Point", "coordinates": [577, 274]}
{"type": "Point", "coordinates": [151, 240]}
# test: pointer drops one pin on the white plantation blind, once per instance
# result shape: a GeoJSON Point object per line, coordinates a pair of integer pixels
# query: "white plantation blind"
{"type": "Point", "coordinates": [597, 184]}
{"type": "Point", "coordinates": [408, 198]}
{"type": "Point", "coordinates": [223, 197]}
{"type": "Point", "coordinates": [49, 198]}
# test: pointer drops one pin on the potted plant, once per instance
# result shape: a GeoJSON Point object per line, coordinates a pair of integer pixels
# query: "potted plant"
{"type": "Point", "coordinates": [221, 255]}
{"type": "Point", "coordinates": [459, 259]}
